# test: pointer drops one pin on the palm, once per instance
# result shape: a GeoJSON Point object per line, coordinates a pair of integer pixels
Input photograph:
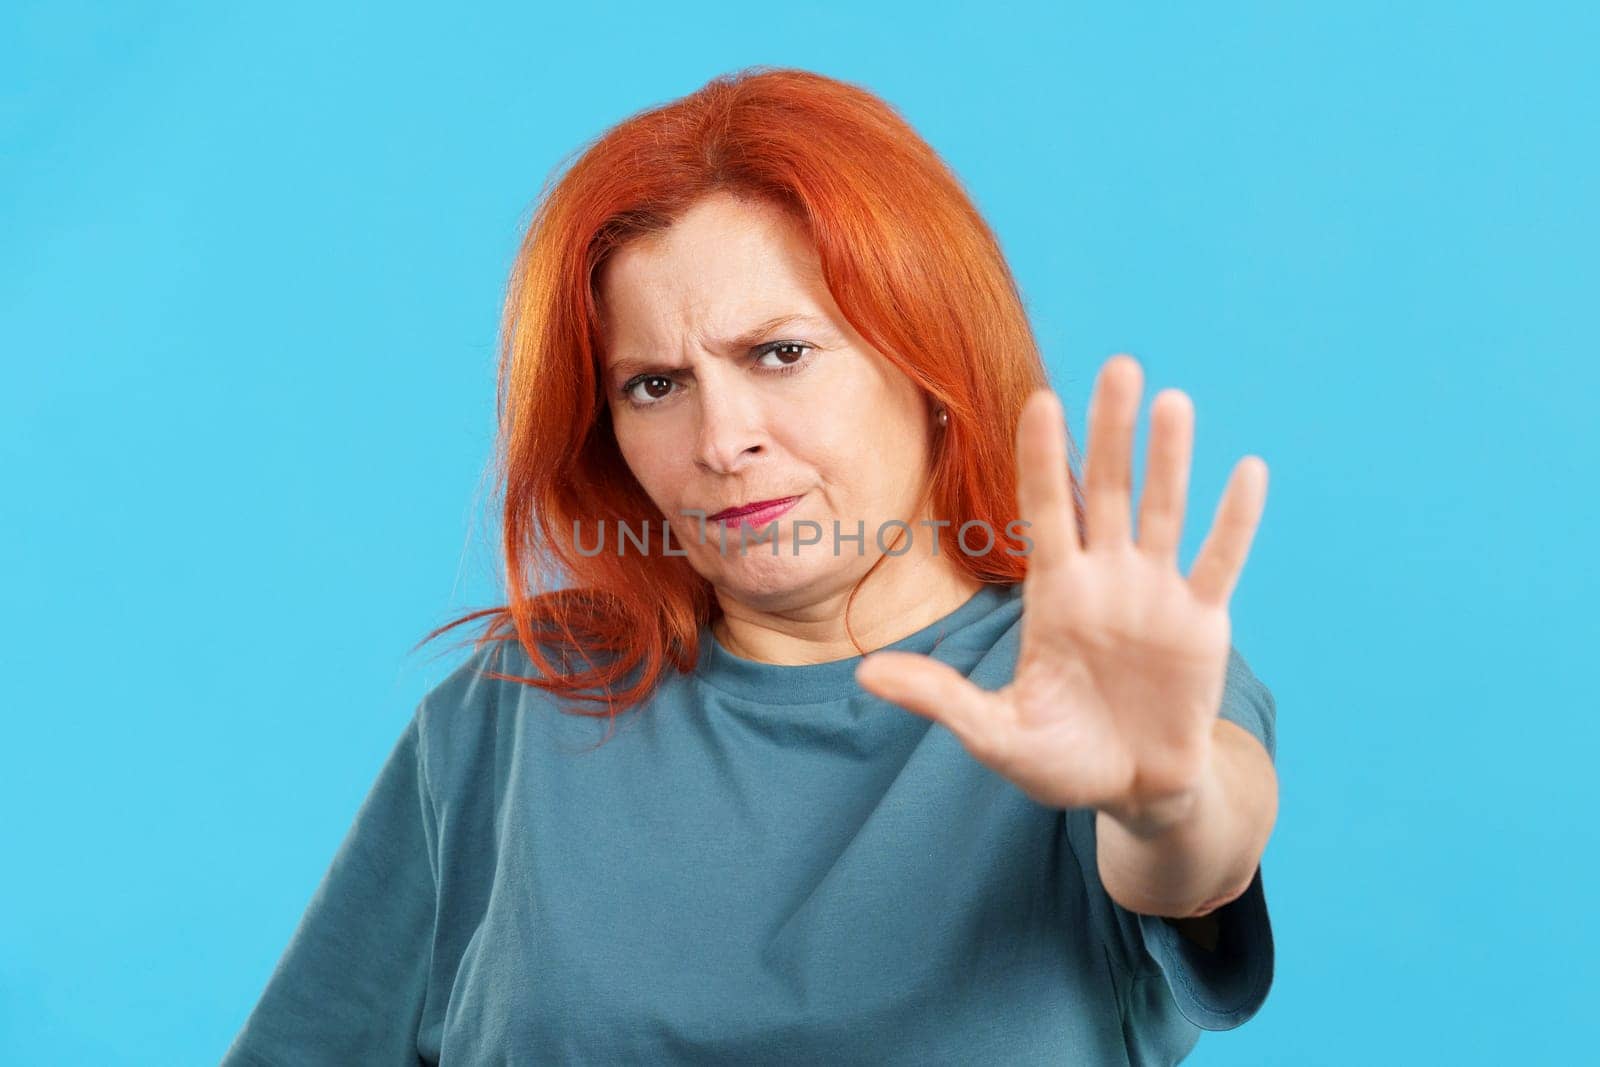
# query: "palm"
{"type": "Point", "coordinates": [1120, 672]}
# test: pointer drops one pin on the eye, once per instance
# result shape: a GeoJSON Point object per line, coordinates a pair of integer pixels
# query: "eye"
{"type": "Point", "coordinates": [655, 387]}
{"type": "Point", "coordinates": [794, 349]}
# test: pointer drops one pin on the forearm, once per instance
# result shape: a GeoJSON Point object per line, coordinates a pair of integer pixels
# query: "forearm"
{"type": "Point", "coordinates": [1208, 855]}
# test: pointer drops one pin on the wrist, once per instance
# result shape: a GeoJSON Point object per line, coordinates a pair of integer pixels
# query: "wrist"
{"type": "Point", "coordinates": [1158, 816]}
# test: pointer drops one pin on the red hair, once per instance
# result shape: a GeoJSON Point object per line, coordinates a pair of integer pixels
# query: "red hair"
{"type": "Point", "coordinates": [907, 259]}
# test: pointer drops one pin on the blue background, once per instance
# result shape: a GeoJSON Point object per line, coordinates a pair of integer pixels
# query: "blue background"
{"type": "Point", "coordinates": [252, 266]}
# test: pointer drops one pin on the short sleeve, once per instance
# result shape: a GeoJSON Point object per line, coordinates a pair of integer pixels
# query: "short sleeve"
{"type": "Point", "coordinates": [1221, 988]}
{"type": "Point", "coordinates": [1213, 989]}
{"type": "Point", "coordinates": [351, 985]}
{"type": "Point", "coordinates": [1248, 703]}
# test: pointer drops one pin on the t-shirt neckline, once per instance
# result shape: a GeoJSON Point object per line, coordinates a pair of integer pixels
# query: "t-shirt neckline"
{"type": "Point", "coordinates": [811, 683]}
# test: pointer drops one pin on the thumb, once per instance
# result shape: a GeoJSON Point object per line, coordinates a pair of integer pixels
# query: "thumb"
{"type": "Point", "coordinates": [932, 689]}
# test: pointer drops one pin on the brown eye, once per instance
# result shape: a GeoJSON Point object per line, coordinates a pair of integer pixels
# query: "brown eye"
{"type": "Point", "coordinates": [790, 352]}
{"type": "Point", "coordinates": [654, 385]}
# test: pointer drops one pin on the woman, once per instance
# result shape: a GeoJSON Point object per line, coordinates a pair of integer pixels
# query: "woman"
{"type": "Point", "coordinates": [770, 402]}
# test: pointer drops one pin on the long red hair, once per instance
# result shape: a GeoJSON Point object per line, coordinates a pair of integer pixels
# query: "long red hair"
{"type": "Point", "coordinates": [905, 255]}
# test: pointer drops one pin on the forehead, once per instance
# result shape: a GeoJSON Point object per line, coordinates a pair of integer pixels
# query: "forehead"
{"type": "Point", "coordinates": [722, 268]}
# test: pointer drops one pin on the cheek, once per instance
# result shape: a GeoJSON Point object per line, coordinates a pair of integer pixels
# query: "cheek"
{"type": "Point", "coordinates": [889, 464]}
{"type": "Point", "coordinates": [656, 478]}
{"type": "Point", "coordinates": [645, 459]}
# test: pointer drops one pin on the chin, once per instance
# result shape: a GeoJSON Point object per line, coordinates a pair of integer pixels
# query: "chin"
{"type": "Point", "coordinates": [759, 577]}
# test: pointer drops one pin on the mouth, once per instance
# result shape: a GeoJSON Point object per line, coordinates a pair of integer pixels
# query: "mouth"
{"type": "Point", "coordinates": [756, 513]}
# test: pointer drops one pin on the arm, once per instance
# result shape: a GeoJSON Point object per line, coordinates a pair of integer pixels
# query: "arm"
{"type": "Point", "coordinates": [352, 984]}
{"type": "Point", "coordinates": [1185, 865]}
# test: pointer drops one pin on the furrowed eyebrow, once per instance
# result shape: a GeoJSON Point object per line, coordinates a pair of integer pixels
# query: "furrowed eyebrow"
{"type": "Point", "coordinates": [752, 336]}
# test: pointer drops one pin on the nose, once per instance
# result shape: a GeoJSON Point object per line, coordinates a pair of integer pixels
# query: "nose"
{"type": "Point", "coordinates": [730, 431]}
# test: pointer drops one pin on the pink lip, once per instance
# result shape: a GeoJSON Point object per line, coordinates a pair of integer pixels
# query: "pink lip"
{"type": "Point", "coordinates": [756, 514]}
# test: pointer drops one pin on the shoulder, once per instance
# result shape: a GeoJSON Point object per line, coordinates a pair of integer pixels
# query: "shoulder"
{"type": "Point", "coordinates": [471, 686]}
{"type": "Point", "coordinates": [487, 712]}
{"type": "Point", "coordinates": [467, 710]}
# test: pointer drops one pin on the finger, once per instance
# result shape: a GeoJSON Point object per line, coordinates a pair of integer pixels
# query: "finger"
{"type": "Point", "coordinates": [1216, 568]}
{"type": "Point", "coordinates": [936, 691]}
{"type": "Point", "coordinates": [1166, 481]}
{"type": "Point", "coordinates": [1044, 496]}
{"type": "Point", "coordinates": [1108, 468]}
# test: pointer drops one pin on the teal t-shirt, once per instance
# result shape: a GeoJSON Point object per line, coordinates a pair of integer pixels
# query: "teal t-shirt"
{"type": "Point", "coordinates": [763, 864]}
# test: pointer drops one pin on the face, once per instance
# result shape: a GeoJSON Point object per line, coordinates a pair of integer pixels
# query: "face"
{"type": "Point", "coordinates": [732, 377]}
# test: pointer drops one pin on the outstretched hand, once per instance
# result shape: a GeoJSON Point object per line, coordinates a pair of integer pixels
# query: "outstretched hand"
{"type": "Point", "coordinates": [1122, 663]}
